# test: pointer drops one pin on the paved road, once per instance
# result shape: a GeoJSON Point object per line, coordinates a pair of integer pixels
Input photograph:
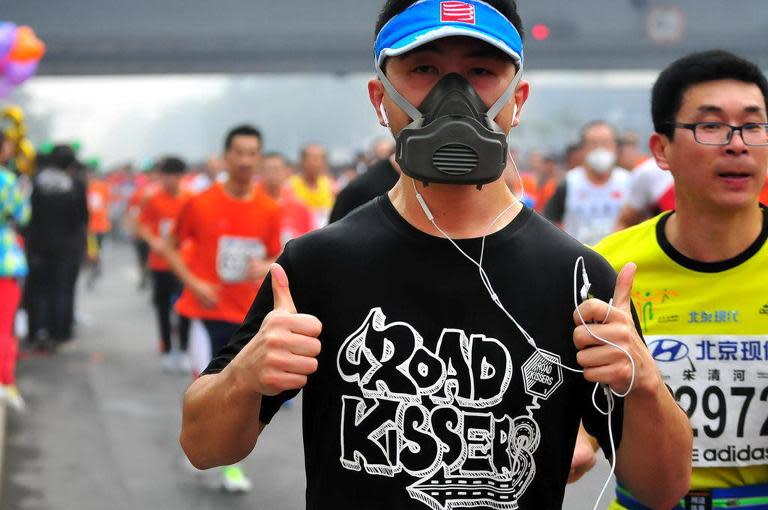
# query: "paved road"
{"type": "Point", "coordinates": [102, 423]}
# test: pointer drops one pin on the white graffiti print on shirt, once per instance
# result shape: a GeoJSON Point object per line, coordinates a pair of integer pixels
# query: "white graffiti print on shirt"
{"type": "Point", "coordinates": [425, 409]}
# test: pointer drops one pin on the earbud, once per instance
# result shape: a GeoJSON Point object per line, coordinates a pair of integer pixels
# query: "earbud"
{"type": "Point", "coordinates": [383, 114]}
{"type": "Point", "coordinates": [584, 292]}
{"type": "Point", "coordinates": [514, 112]}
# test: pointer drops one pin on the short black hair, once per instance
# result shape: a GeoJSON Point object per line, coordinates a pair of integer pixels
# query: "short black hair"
{"type": "Point", "coordinates": [275, 155]}
{"type": "Point", "coordinates": [303, 150]}
{"type": "Point", "coordinates": [682, 74]}
{"type": "Point", "coordinates": [508, 8]}
{"type": "Point", "coordinates": [62, 156]}
{"type": "Point", "coordinates": [589, 125]}
{"type": "Point", "coordinates": [172, 165]}
{"type": "Point", "coordinates": [241, 130]}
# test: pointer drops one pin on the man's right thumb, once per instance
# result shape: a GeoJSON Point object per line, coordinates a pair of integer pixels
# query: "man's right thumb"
{"type": "Point", "coordinates": [280, 289]}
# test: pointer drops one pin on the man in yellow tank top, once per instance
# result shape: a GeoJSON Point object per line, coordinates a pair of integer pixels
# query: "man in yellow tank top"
{"type": "Point", "coordinates": [313, 186]}
{"type": "Point", "coordinates": [701, 289]}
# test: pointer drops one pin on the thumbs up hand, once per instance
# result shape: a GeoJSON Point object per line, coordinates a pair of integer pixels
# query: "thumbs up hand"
{"type": "Point", "coordinates": [283, 353]}
{"type": "Point", "coordinates": [604, 363]}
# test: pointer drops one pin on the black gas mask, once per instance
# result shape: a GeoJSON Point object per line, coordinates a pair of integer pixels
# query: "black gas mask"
{"type": "Point", "coordinates": [453, 138]}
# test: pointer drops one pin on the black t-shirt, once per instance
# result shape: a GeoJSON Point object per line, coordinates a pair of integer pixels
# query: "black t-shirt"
{"type": "Point", "coordinates": [59, 212]}
{"type": "Point", "coordinates": [426, 395]}
{"type": "Point", "coordinates": [554, 210]}
{"type": "Point", "coordinates": [377, 180]}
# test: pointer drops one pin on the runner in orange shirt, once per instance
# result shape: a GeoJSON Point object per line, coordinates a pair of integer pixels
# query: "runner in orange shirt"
{"type": "Point", "coordinates": [295, 217]}
{"type": "Point", "coordinates": [235, 229]}
{"type": "Point", "coordinates": [99, 224]}
{"type": "Point", "coordinates": [313, 185]}
{"type": "Point", "coordinates": [156, 221]}
{"type": "Point", "coordinates": [146, 186]}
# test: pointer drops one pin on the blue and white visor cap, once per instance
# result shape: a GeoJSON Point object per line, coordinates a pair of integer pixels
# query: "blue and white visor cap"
{"type": "Point", "coordinates": [428, 20]}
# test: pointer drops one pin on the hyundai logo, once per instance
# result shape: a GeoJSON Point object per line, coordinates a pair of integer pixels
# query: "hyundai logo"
{"type": "Point", "coordinates": [668, 350]}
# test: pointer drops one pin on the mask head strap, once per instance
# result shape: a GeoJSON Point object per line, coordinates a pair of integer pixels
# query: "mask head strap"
{"type": "Point", "coordinates": [403, 103]}
{"type": "Point", "coordinates": [502, 101]}
{"type": "Point", "coordinates": [417, 117]}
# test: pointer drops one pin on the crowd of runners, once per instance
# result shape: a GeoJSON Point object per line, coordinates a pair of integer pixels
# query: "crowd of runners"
{"type": "Point", "coordinates": [205, 233]}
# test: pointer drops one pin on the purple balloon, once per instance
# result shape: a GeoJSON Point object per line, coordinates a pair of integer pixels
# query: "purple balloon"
{"type": "Point", "coordinates": [18, 72]}
{"type": "Point", "coordinates": [7, 35]}
{"type": "Point", "coordinates": [5, 88]}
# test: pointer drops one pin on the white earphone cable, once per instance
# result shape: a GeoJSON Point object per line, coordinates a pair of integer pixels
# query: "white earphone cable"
{"type": "Point", "coordinates": [485, 279]}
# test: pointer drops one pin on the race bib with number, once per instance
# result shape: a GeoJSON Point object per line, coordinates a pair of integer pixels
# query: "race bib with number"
{"type": "Point", "coordinates": [235, 254]}
{"type": "Point", "coordinates": [165, 227]}
{"type": "Point", "coordinates": [721, 382]}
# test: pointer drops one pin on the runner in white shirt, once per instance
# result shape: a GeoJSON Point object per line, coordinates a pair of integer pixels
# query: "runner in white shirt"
{"type": "Point", "coordinates": [588, 200]}
{"type": "Point", "coordinates": [650, 191]}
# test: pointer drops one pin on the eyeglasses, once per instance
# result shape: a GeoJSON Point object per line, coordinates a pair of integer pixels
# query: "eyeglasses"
{"type": "Point", "coordinates": [720, 133]}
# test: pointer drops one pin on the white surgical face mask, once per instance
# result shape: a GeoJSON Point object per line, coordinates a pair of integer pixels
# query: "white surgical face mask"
{"type": "Point", "coordinates": [601, 161]}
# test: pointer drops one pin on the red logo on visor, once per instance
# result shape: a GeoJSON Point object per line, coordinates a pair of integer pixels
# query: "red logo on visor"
{"type": "Point", "coordinates": [457, 11]}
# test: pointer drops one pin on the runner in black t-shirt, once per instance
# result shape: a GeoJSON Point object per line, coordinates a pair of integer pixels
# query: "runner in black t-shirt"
{"type": "Point", "coordinates": [376, 181]}
{"type": "Point", "coordinates": [438, 375]}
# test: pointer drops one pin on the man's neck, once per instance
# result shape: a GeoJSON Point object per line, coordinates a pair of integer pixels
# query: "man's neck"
{"type": "Point", "coordinates": [395, 165]}
{"type": "Point", "coordinates": [708, 235]}
{"type": "Point", "coordinates": [596, 178]}
{"type": "Point", "coordinates": [238, 190]}
{"type": "Point", "coordinates": [273, 191]}
{"type": "Point", "coordinates": [310, 180]}
{"type": "Point", "coordinates": [461, 211]}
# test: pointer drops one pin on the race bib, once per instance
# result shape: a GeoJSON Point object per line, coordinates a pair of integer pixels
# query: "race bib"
{"type": "Point", "coordinates": [165, 227]}
{"type": "Point", "coordinates": [721, 382]}
{"type": "Point", "coordinates": [95, 202]}
{"type": "Point", "coordinates": [235, 254]}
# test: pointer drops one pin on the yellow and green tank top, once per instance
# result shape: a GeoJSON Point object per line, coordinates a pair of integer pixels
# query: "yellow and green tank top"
{"type": "Point", "coordinates": [706, 325]}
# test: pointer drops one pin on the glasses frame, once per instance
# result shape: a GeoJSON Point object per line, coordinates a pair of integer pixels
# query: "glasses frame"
{"type": "Point", "coordinates": [693, 125]}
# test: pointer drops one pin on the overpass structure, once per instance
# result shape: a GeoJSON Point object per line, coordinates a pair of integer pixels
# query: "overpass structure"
{"type": "Point", "coordinates": [90, 37]}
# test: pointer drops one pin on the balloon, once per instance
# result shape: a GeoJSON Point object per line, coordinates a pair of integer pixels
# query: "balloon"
{"type": "Point", "coordinates": [18, 72]}
{"type": "Point", "coordinates": [5, 88]}
{"type": "Point", "coordinates": [25, 156]}
{"type": "Point", "coordinates": [7, 36]}
{"type": "Point", "coordinates": [26, 45]}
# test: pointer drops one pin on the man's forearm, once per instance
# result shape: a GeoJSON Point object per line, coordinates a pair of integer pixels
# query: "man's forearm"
{"type": "Point", "coordinates": [654, 459]}
{"type": "Point", "coordinates": [220, 422]}
{"type": "Point", "coordinates": [172, 256]}
{"type": "Point", "coordinates": [146, 234]}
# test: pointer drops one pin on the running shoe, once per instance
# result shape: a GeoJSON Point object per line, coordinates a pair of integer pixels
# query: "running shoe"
{"type": "Point", "coordinates": [183, 363]}
{"type": "Point", "coordinates": [234, 480]}
{"type": "Point", "coordinates": [167, 362]}
{"type": "Point", "coordinates": [13, 398]}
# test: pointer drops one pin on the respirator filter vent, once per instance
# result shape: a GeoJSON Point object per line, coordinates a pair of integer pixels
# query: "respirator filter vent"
{"type": "Point", "coordinates": [455, 159]}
